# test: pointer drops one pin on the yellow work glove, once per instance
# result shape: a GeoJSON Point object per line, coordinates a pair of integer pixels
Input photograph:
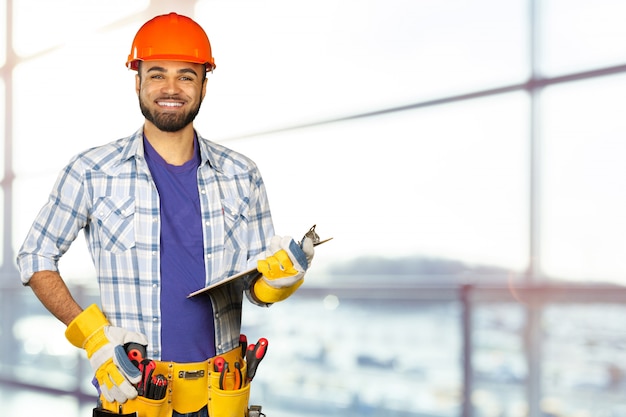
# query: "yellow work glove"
{"type": "Point", "coordinates": [283, 268]}
{"type": "Point", "coordinates": [104, 344]}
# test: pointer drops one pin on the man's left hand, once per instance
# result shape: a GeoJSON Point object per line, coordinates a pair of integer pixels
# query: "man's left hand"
{"type": "Point", "coordinates": [283, 268]}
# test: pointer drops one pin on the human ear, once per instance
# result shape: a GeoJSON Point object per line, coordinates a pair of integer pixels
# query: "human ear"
{"type": "Point", "coordinates": [137, 83]}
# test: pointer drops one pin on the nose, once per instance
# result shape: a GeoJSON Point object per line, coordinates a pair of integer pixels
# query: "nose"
{"type": "Point", "coordinates": [170, 86]}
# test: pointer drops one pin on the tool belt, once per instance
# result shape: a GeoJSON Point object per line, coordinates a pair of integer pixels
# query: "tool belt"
{"type": "Point", "coordinates": [191, 386]}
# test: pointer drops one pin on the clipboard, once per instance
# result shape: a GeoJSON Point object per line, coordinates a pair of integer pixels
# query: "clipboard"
{"type": "Point", "coordinates": [253, 273]}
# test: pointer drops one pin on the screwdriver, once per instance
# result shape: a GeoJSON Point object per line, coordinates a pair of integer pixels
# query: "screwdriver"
{"type": "Point", "coordinates": [243, 343]}
{"type": "Point", "coordinates": [254, 355]}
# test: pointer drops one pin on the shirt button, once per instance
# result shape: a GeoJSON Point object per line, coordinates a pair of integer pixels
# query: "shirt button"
{"type": "Point", "coordinates": [209, 256]}
{"type": "Point", "coordinates": [202, 191]}
{"type": "Point", "coordinates": [155, 319]}
{"type": "Point", "coordinates": [155, 352]}
{"type": "Point", "coordinates": [155, 219]}
{"type": "Point", "coordinates": [155, 286]}
{"type": "Point", "coordinates": [207, 223]}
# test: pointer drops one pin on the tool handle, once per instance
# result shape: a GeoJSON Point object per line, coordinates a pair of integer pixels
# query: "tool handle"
{"type": "Point", "coordinates": [136, 352]}
{"type": "Point", "coordinates": [157, 387]}
{"type": "Point", "coordinates": [147, 367]}
{"type": "Point", "coordinates": [243, 343]}
{"type": "Point", "coordinates": [238, 376]}
{"type": "Point", "coordinates": [223, 373]}
{"type": "Point", "coordinates": [260, 349]}
{"type": "Point", "coordinates": [254, 355]}
{"type": "Point", "coordinates": [218, 364]}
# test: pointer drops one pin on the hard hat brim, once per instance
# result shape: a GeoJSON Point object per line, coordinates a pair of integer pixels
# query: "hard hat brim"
{"type": "Point", "coordinates": [134, 63]}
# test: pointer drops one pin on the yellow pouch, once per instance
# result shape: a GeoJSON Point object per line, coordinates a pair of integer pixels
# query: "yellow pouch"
{"type": "Point", "coordinates": [228, 402]}
{"type": "Point", "coordinates": [191, 386]}
{"type": "Point", "coordinates": [144, 407]}
{"type": "Point", "coordinates": [188, 385]}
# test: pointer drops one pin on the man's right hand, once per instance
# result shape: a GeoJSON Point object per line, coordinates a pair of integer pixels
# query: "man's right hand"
{"type": "Point", "coordinates": [90, 330]}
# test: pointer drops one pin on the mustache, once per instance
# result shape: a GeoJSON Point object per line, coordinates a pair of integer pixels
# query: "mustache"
{"type": "Point", "coordinates": [170, 97]}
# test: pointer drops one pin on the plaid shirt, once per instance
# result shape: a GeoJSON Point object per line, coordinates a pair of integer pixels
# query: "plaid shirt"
{"type": "Point", "coordinates": [108, 192]}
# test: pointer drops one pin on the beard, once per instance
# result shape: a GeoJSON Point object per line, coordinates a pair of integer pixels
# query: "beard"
{"type": "Point", "coordinates": [169, 122]}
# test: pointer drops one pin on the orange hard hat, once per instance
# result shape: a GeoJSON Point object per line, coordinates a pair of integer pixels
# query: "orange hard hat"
{"type": "Point", "coordinates": [171, 37]}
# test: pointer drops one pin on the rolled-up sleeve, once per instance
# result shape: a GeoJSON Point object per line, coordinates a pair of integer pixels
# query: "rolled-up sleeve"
{"type": "Point", "coordinates": [57, 224]}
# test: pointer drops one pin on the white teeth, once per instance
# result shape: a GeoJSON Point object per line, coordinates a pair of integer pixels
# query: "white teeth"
{"type": "Point", "coordinates": [169, 104]}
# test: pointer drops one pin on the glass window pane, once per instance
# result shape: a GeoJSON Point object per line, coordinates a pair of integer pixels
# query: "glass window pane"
{"type": "Point", "coordinates": [36, 350]}
{"type": "Point", "coordinates": [3, 32]}
{"type": "Point", "coordinates": [282, 62]}
{"type": "Point", "coordinates": [3, 114]}
{"type": "Point", "coordinates": [65, 21]}
{"type": "Point", "coordinates": [580, 35]}
{"type": "Point", "coordinates": [499, 360]}
{"type": "Point", "coordinates": [447, 182]}
{"type": "Point", "coordinates": [43, 353]}
{"type": "Point", "coordinates": [19, 401]}
{"type": "Point", "coordinates": [375, 356]}
{"type": "Point", "coordinates": [3, 239]}
{"type": "Point", "coordinates": [582, 167]}
{"type": "Point", "coordinates": [583, 364]}
{"type": "Point", "coordinates": [89, 99]}
{"type": "Point", "coordinates": [2, 169]}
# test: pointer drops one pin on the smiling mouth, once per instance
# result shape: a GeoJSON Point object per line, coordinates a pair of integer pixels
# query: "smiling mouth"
{"type": "Point", "coordinates": [169, 104]}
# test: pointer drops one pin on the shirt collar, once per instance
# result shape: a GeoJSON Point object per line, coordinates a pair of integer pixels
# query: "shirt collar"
{"type": "Point", "coordinates": [135, 150]}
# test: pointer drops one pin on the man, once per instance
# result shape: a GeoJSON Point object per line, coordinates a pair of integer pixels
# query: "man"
{"type": "Point", "coordinates": [164, 212]}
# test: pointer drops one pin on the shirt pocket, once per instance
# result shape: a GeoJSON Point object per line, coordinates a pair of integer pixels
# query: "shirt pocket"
{"type": "Point", "coordinates": [235, 225]}
{"type": "Point", "coordinates": [114, 217]}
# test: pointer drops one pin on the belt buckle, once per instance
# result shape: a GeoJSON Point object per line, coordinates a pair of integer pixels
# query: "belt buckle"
{"type": "Point", "coordinates": [191, 374]}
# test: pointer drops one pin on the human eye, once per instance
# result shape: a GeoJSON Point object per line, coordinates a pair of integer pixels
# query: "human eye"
{"type": "Point", "coordinates": [187, 75]}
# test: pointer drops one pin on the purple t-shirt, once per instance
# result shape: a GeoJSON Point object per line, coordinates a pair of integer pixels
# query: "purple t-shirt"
{"type": "Point", "coordinates": [187, 328]}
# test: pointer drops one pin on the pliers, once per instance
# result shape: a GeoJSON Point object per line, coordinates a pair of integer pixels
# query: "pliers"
{"type": "Point", "coordinates": [220, 365]}
{"type": "Point", "coordinates": [137, 355]}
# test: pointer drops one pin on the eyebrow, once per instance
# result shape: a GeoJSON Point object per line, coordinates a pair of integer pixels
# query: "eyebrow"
{"type": "Point", "coordinates": [180, 71]}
